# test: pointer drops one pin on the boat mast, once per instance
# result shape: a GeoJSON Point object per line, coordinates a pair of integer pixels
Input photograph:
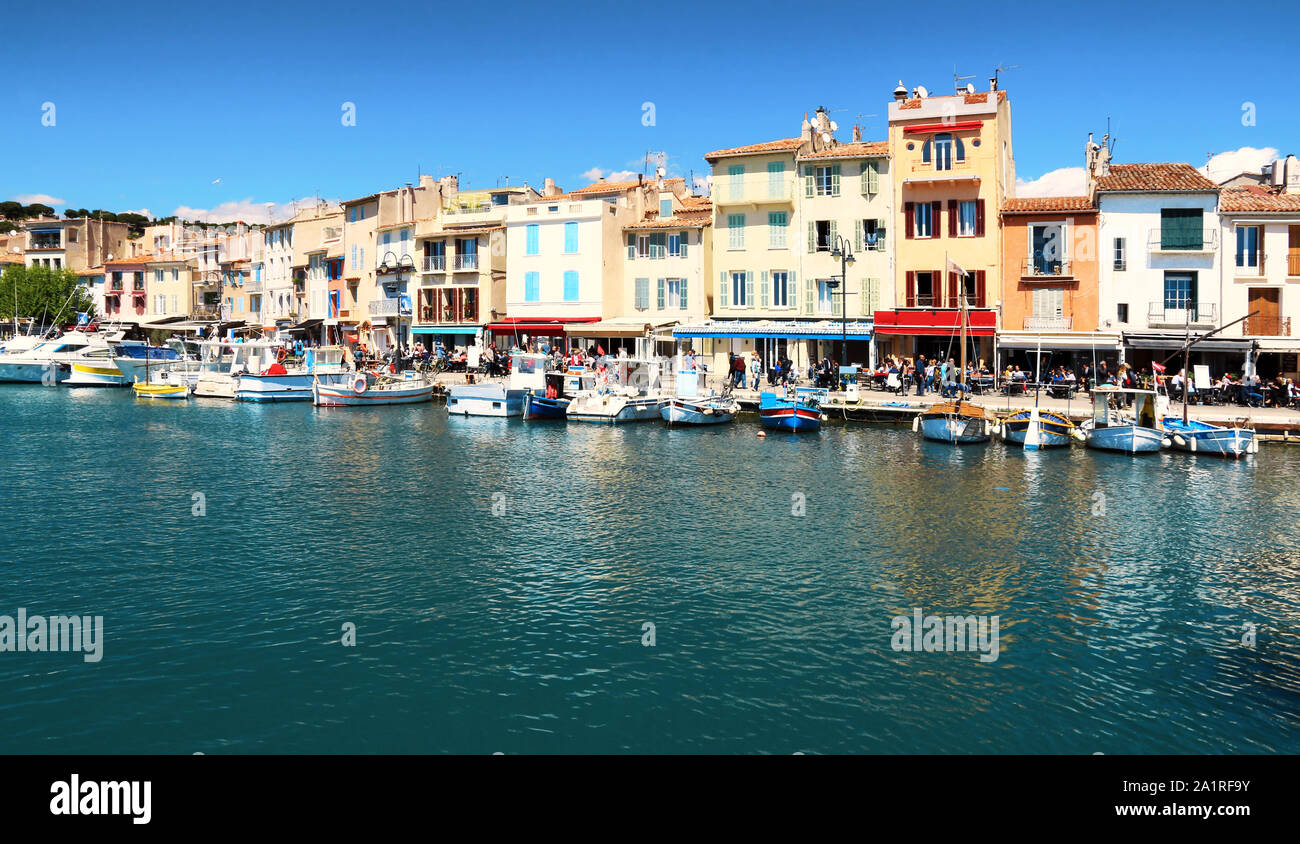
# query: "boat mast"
{"type": "Point", "coordinates": [961, 373]}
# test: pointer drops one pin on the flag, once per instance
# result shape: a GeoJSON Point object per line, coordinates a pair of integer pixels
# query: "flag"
{"type": "Point", "coordinates": [1158, 367]}
{"type": "Point", "coordinates": [954, 267]}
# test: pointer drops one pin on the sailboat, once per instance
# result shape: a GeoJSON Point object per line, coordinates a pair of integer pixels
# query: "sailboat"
{"type": "Point", "coordinates": [1037, 428]}
{"type": "Point", "coordinates": [956, 422]}
{"type": "Point", "coordinates": [167, 391]}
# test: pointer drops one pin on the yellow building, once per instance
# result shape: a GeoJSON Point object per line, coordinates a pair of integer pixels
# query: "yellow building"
{"type": "Point", "coordinates": [953, 167]}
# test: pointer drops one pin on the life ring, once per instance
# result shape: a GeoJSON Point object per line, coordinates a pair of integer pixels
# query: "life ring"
{"type": "Point", "coordinates": [359, 384]}
{"type": "Point", "coordinates": [281, 355]}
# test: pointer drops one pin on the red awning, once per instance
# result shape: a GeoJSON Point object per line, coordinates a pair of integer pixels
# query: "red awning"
{"type": "Point", "coordinates": [926, 128]}
{"type": "Point", "coordinates": [537, 325]}
{"type": "Point", "coordinates": [936, 322]}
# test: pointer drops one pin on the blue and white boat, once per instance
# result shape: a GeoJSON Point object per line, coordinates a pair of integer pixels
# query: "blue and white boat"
{"type": "Point", "coordinates": [692, 404]}
{"type": "Point", "coordinates": [1115, 428]}
{"type": "Point", "coordinates": [629, 390]}
{"type": "Point", "coordinates": [1035, 429]}
{"type": "Point", "coordinates": [1204, 438]}
{"type": "Point", "coordinates": [132, 359]}
{"type": "Point", "coordinates": [527, 373]}
{"type": "Point", "coordinates": [561, 387]}
{"type": "Point", "coordinates": [799, 413]}
{"type": "Point", "coordinates": [276, 383]}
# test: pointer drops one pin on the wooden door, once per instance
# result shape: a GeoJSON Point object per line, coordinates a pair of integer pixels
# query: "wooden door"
{"type": "Point", "coordinates": [1265, 305]}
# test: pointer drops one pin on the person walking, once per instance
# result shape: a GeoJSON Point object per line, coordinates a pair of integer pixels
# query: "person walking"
{"type": "Point", "coordinates": [755, 369]}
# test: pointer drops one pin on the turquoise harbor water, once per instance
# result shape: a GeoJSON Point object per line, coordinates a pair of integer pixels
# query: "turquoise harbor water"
{"type": "Point", "coordinates": [1121, 586]}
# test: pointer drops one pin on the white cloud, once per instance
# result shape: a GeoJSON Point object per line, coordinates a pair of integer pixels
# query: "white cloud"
{"type": "Point", "coordinates": [1064, 181]}
{"type": "Point", "coordinates": [144, 212]}
{"type": "Point", "coordinates": [245, 209]}
{"type": "Point", "coordinates": [1225, 165]}
{"type": "Point", "coordinates": [593, 174]}
{"type": "Point", "coordinates": [621, 175]}
{"type": "Point", "coordinates": [38, 198]}
{"type": "Point", "coordinates": [702, 184]}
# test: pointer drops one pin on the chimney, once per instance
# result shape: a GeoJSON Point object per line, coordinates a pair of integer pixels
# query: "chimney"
{"type": "Point", "coordinates": [857, 134]}
{"type": "Point", "coordinates": [549, 188]}
{"type": "Point", "coordinates": [426, 180]}
{"type": "Point", "coordinates": [900, 93]}
{"type": "Point", "coordinates": [993, 83]}
{"type": "Point", "coordinates": [805, 130]}
{"type": "Point", "coordinates": [1292, 183]}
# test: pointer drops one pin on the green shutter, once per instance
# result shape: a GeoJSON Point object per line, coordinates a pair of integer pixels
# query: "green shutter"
{"type": "Point", "coordinates": [835, 230]}
{"type": "Point", "coordinates": [837, 298]}
{"type": "Point", "coordinates": [686, 239]}
{"type": "Point", "coordinates": [835, 180]}
{"type": "Point", "coordinates": [722, 289]}
{"type": "Point", "coordinates": [631, 246]}
{"type": "Point", "coordinates": [809, 290]}
{"type": "Point", "coordinates": [762, 290]}
{"type": "Point", "coordinates": [685, 298]}
{"type": "Point", "coordinates": [871, 178]}
{"type": "Point", "coordinates": [791, 291]}
{"type": "Point", "coordinates": [807, 180]}
{"type": "Point", "coordinates": [812, 236]}
{"type": "Point", "coordinates": [857, 235]}
{"type": "Point", "coordinates": [659, 297]}
{"type": "Point", "coordinates": [880, 235]}
{"type": "Point", "coordinates": [749, 290]}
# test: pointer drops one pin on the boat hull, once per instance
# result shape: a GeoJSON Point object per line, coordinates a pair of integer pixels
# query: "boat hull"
{"type": "Point", "coordinates": [34, 372]}
{"type": "Point", "coordinates": [954, 429]}
{"type": "Point", "coordinates": [165, 392]}
{"type": "Point", "coordinates": [541, 407]}
{"type": "Point", "coordinates": [787, 415]}
{"type": "Point", "coordinates": [89, 375]}
{"type": "Point", "coordinates": [1049, 430]}
{"type": "Point", "coordinates": [334, 396]}
{"type": "Point", "coordinates": [1129, 439]}
{"type": "Point", "coordinates": [613, 410]}
{"type": "Point", "coordinates": [277, 388]}
{"type": "Point", "coordinates": [687, 412]}
{"type": "Point", "coordinates": [486, 400]}
{"type": "Point", "coordinates": [1214, 440]}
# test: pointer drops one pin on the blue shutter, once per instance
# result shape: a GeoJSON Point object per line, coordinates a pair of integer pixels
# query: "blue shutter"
{"type": "Point", "coordinates": [659, 297]}
{"type": "Point", "coordinates": [570, 237]}
{"type": "Point", "coordinates": [570, 286]}
{"type": "Point", "coordinates": [530, 246]}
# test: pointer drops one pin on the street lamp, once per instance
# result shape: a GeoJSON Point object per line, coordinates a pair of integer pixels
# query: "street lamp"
{"type": "Point", "coordinates": [841, 249]}
{"type": "Point", "coordinates": [399, 266]}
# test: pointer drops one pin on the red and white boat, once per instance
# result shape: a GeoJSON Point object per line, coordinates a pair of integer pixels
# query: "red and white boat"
{"type": "Point", "coordinates": [371, 390]}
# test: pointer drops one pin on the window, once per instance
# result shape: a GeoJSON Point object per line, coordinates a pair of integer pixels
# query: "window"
{"type": "Point", "coordinates": [828, 297]}
{"type": "Point", "coordinates": [532, 287]}
{"type": "Point", "coordinates": [1049, 303]}
{"type": "Point", "coordinates": [738, 297]}
{"type": "Point", "coordinates": [157, 276]}
{"type": "Point", "coordinates": [1120, 256]}
{"type": "Point", "coordinates": [1248, 247]}
{"type": "Point", "coordinates": [736, 231]}
{"type": "Point", "coordinates": [822, 235]}
{"type": "Point", "coordinates": [1180, 291]}
{"type": "Point", "coordinates": [776, 229]}
{"type": "Point", "coordinates": [826, 180]}
{"type": "Point", "coordinates": [643, 246]}
{"type": "Point", "coordinates": [675, 244]}
{"type": "Point", "coordinates": [159, 304]}
{"type": "Point", "coordinates": [1121, 312]}
{"type": "Point", "coordinates": [775, 179]}
{"type": "Point", "coordinates": [570, 286]}
{"type": "Point", "coordinates": [570, 238]}
{"type": "Point", "coordinates": [1180, 228]}
{"type": "Point", "coordinates": [922, 218]}
{"type": "Point", "coordinates": [1048, 245]}
{"type": "Point", "coordinates": [642, 294]}
{"type": "Point", "coordinates": [531, 239]}
{"type": "Point", "coordinates": [665, 208]}
{"type": "Point", "coordinates": [966, 210]}
{"type": "Point", "coordinates": [943, 152]}
{"type": "Point", "coordinates": [870, 178]}
{"type": "Point", "coordinates": [671, 293]}
{"type": "Point", "coordinates": [873, 235]}
{"type": "Point", "coordinates": [780, 289]}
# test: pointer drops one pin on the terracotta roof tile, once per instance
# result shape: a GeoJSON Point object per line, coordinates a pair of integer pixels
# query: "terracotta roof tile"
{"type": "Point", "coordinates": [1040, 204]}
{"type": "Point", "coordinates": [1258, 198]}
{"type": "Point", "coordinates": [864, 149]}
{"type": "Point", "coordinates": [685, 218]}
{"type": "Point", "coordinates": [782, 145]}
{"type": "Point", "coordinates": [1147, 178]}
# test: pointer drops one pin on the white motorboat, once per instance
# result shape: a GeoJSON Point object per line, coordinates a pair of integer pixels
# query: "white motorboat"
{"type": "Point", "coordinates": [626, 390]}
{"type": "Point", "coordinates": [527, 374]}
{"type": "Point", "coordinates": [50, 361]}
{"type": "Point", "coordinates": [276, 382]}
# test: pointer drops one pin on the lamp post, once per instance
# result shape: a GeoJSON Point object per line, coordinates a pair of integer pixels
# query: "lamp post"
{"type": "Point", "coordinates": [841, 249]}
{"type": "Point", "coordinates": [398, 266]}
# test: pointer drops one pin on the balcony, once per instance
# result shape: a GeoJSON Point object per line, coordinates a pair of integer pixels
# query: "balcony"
{"type": "Point", "coordinates": [1268, 326]}
{"type": "Point", "coordinates": [1197, 316]}
{"type": "Point", "coordinates": [756, 189]}
{"type": "Point", "coordinates": [45, 243]}
{"type": "Point", "coordinates": [201, 314]}
{"type": "Point", "coordinates": [1046, 323]}
{"type": "Point", "coordinates": [386, 307]}
{"type": "Point", "coordinates": [465, 262]}
{"type": "Point", "coordinates": [472, 213]}
{"type": "Point", "coordinates": [1158, 242]}
{"type": "Point", "coordinates": [434, 263]}
{"type": "Point", "coordinates": [1045, 268]}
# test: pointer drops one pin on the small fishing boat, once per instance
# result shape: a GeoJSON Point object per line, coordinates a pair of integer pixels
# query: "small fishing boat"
{"type": "Point", "coordinates": [627, 391]}
{"type": "Point", "coordinates": [277, 383]}
{"type": "Point", "coordinates": [1204, 438]}
{"type": "Point", "coordinates": [160, 391]}
{"type": "Point", "coordinates": [1037, 428]}
{"type": "Point", "coordinates": [527, 374]}
{"type": "Point", "coordinates": [561, 387]}
{"type": "Point", "coordinates": [373, 391]}
{"type": "Point", "coordinates": [797, 414]}
{"type": "Point", "coordinates": [955, 422]}
{"type": "Point", "coordinates": [1113, 428]}
{"type": "Point", "coordinates": [692, 403]}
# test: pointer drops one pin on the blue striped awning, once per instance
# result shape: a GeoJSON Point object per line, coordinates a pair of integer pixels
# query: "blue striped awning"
{"type": "Point", "coordinates": [795, 329]}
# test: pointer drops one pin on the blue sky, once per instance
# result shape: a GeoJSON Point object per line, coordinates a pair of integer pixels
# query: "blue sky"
{"type": "Point", "coordinates": [153, 103]}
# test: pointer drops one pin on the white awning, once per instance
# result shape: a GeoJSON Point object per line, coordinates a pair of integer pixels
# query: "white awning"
{"type": "Point", "coordinates": [1058, 340]}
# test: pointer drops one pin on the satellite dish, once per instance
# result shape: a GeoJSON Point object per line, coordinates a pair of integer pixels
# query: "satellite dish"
{"type": "Point", "coordinates": [660, 172]}
{"type": "Point", "coordinates": [970, 87]}
{"type": "Point", "coordinates": [922, 92]}
{"type": "Point", "coordinates": [826, 137]}
{"type": "Point", "coordinates": [110, 256]}
{"type": "Point", "coordinates": [835, 127]}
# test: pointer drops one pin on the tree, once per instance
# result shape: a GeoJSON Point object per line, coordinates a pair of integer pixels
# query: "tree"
{"type": "Point", "coordinates": [38, 210]}
{"type": "Point", "coordinates": [11, 210]}
{"type": "Point", "coordinates": [54, 296]}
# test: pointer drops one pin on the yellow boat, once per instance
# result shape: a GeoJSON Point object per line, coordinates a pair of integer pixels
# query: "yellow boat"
{"type": "Point", "coordinates": [160, 391]}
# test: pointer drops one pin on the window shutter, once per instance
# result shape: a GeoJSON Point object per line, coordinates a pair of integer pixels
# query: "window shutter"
{"type": "Point", "coordinates": [631, 246]}
{"type": "Point", "coordinates": [880, 235]}
{"type": "Point", "coordinates": [835, 180]}
{"type": "Point", "coordinates": [809, 291]}
{"type": "Point", "coordinates": [936, 215]}
{"type": "Point", "coordinates": [837, 298]}
{"type": "Point", "coordinates": [722, 289]}
{"type": "Point", "coordinates": [953, 286]}
{"type": "Point", "coordinates": [857, 235]}
{"type": "Point", "coordinates": [909, 224]}
{"type": "Point", "coordinates": [807, 180]}
{"type": "Point", "coordinates": [835, 230]}
{"type": "Point", "coordinates": [979, 290]}
{"type": "Point", "coordinates": [870, 178]}
{"type": "Point", "coordinates": [749, 290]}
{"type": "Point", "coordinates": [952, 218]}
{"type": "Point", "coordinates": [875, 295]}
{"type": "Point", "coordinates": [686, 239]}
{"type": "Point", "coordinates": [659, 297]}
{"type": "Point", "coordinates": [925, 152]}
{"type": "Point", "coordinates": [979, 218]}
{"type": "Point", "coordinates": [762, 292]}
{"type": "Point", "coordinates": [812, 237]}
{"type": "Point", "coordinates": [911, 288]}
{"type": "Point", "coordinates": [685, 299]}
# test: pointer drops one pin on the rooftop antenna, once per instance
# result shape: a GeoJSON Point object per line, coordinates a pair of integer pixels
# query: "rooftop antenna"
{"type": "Point", "coordinates": [1001, 69]}
{"type": "Point", "coordinates": [957, 80]}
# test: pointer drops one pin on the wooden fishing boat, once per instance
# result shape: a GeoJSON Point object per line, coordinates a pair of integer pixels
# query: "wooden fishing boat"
{"type": "Point", "coordinates": [956, 423]}
{"type": "Point", "coordinates": [1037, 428]}
{"type": "Point", "coordinates": [372, 391]}
{"type": "Point", "coordinates": [692, 403]}
{"type": "Point", "coordinates": [798, 414]}
{"type": "Point", "coordinates": [1113, 428]}
{"type": "Point", "coordinates": [1198, 437]}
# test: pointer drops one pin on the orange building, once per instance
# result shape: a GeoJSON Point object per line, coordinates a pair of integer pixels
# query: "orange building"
{"type": "Point", "coordinates": [1049, 283]}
